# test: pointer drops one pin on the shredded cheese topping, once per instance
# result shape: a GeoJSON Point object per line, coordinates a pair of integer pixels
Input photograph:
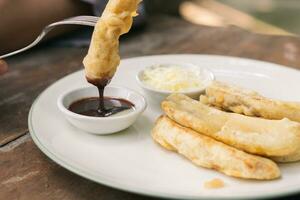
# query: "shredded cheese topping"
{"type": "Point", "coordinates": [173, 78]}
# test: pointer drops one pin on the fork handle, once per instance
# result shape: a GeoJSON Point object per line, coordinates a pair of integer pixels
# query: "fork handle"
{"type": "Point", "coordinates": [36, 41]}
{"type": "Point", "coordinates": [46, 30]}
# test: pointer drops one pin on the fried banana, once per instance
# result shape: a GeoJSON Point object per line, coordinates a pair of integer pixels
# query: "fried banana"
{"type": "Point", "coordinates": [253, 135]}
{"type": "Point", "coordinates": [206, 152]}
{"type": "Point", "coordinates": [103, 56]}
{"type": "Point", "coordinates": [289, 158]}
{"type": "Point", "coordinates": [248, 102]}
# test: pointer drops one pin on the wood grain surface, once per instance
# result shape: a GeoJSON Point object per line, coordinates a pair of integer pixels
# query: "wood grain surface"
{"type": "Point", "coordinates": [27, 174]}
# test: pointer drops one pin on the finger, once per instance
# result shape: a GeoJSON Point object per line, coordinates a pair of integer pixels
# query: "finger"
{"type": "Point", "coordinates": [3, 67]}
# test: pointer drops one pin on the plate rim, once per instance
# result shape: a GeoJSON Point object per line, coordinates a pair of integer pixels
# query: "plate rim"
{"type": "Point", "coordinates": [122, 187]}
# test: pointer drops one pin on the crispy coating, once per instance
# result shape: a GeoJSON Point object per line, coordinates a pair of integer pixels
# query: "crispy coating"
{"type": "Point", "coordinates": [248, 102]}
{"type": "Point", "coordinates": [103, 56]}
{"type": "Point", "coordinates": [206, 152]}
{"type": "Point", "coordinates": [289, 158]}
{"type": "Point", "coordinates": [250, 134]}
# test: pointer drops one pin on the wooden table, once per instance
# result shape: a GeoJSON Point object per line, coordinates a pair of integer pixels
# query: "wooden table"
{"type": "Point", "coordinates": [26, 173]}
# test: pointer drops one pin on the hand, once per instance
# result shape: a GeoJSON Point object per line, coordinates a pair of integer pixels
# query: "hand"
{"type": "Point", "coordinates": [3, 67]}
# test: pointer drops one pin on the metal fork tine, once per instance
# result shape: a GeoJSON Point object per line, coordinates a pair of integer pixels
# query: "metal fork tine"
{"type": "Point", "coordinates": [84, 18]}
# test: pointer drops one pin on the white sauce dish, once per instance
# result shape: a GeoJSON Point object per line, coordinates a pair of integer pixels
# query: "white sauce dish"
{"type": "Point", "coordinates": [159, 81]}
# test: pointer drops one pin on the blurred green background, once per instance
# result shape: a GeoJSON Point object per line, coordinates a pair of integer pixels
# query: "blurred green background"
{"type": "Point", "coordinates": [282, 13]}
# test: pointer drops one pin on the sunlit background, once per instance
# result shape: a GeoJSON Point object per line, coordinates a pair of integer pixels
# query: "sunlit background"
{"type": "Point", "coordinates": [278, 17]}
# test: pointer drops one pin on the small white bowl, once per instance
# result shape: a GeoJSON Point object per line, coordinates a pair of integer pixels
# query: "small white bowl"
{"type": "Point", "coordinates": [101, 125]}
{"type": "Point", "coordinates": [160, 95]}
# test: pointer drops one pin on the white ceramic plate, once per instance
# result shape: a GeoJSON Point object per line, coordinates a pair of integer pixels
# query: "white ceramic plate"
{"type": "Point", "coordinates": [131, 161]}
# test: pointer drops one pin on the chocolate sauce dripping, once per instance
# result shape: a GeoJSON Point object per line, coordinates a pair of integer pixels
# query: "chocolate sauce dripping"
{"type": "Point", "coordinates": [106, 106]}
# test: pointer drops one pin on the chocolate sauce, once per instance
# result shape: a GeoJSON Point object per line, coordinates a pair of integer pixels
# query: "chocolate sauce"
{"type": "Point", "coordinates": [100, 106]}
{"type": "Point", "coordinates": [91, 106]}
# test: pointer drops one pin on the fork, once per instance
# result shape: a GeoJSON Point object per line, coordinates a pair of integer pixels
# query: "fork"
{"type": "Point", "coordinates": [78, 20]}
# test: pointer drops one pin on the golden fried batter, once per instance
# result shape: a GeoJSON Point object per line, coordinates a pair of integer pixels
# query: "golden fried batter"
{"type": "Point", "coordinates": [289, 158]}
{"type": "Point", "coordinates": [253, 135]}
{"type": "Point", "coordinates": [248, 102]}
{"type": "Point", "coordinates": [103, 56]}
{"type": "Point", "coordinates": [207, 152]}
